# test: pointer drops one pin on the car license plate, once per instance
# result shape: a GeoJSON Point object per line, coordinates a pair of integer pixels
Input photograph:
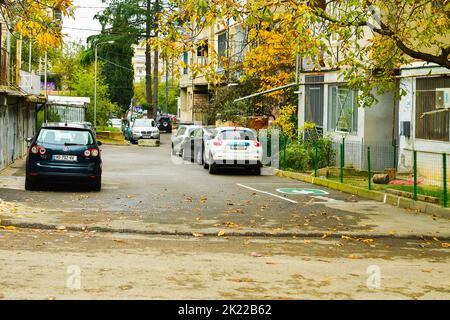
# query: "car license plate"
{"type": "Point", "coordinates": [64, 157]}
{"type": "Point", "coordinates": [238, 148]}
{"type": "Point", "coordinates": [146, 136]}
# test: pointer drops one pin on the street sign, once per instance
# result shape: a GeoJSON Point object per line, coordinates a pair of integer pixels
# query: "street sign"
{"type": "Point", "coordinates": [302, 191]}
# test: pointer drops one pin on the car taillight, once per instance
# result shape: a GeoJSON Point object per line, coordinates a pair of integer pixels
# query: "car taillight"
{"type": "Point", "coordinates": [92, 152]}
{"type": "Point", "coordinates": [217, 143]}
{"type": "Point", "coordinates": [257, 144]}
{"type": "Point", "coordinates": [38, 149]}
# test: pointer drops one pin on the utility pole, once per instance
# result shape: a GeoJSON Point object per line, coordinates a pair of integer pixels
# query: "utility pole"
{"type": "Point", "coordinates": [29, 58]}
{"type": "Point", "coordinates": [155, 63]}
{"type": "Point", "coordinates": [148, 58]}
{"type": "Point", "coordinates": [18, 60]}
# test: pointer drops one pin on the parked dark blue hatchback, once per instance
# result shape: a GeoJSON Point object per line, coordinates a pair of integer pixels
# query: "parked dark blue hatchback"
{"type": "Point", "coordinates": [64, 153]}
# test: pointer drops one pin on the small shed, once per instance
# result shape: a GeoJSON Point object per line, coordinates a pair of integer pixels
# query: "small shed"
{"type": "Point", "coordinates": [66, 108]}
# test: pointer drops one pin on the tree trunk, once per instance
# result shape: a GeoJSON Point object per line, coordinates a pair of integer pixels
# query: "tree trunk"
{"type": "Point", "coordinates": [148, 60]}
{"type": "Point", "coordinates": [155, 63]}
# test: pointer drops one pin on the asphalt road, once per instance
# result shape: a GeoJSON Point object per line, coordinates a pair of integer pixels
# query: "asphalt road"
{"type": "Point", "coordinates": [163, 228]}
{"type": "Point", "coordinates": [149, 191]}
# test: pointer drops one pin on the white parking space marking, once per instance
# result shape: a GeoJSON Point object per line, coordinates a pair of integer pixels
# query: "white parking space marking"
{"type": "Point", "coordinates": [265, 192]}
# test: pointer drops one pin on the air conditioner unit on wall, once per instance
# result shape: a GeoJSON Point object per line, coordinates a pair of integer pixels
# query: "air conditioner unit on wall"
{"type": "Point", "coordinates": [442, 98]}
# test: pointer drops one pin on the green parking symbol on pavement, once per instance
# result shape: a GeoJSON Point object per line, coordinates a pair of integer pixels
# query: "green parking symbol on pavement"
{"type": "Point", "coordinates": [303, 191]}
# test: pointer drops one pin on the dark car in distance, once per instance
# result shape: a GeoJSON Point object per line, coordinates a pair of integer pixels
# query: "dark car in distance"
{"type": "Point", "coordinates": [165, 124]}
{"type": "Point", "coordinates": [64, 153]}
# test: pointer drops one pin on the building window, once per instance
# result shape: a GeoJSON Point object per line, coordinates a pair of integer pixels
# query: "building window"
{"type": "Point", "coordinates": [342, 109]}
{"type": "Point", "coordinates": [432, 126]}
{"type": "Point", "coordinates": [222, 46]}
{"type": "Point", "coordinates": [202, 53]}
{"type": "Point", "coordinates": [314, 101]}
{"type": "Point", "coordinates": [185, 62]}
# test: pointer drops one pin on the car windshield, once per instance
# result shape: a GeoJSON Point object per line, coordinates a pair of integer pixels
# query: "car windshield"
{"type": "Point", "coordinates": [237, 134]}
{"type": "Point", "coordinates": [65, 137]}
{"type": "Point", "coordinates": [143, 123]}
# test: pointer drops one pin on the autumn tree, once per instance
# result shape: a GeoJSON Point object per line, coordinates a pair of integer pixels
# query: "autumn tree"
{"type": "Point", "coordinates": [366, 39]}
{"type": "Point", "coordinates": [39, 20]}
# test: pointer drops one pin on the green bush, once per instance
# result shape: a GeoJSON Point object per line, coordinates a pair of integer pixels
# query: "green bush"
{"type": "Point", "coordinates": [299, 155]}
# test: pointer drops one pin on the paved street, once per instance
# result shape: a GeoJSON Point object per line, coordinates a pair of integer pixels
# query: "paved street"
{"type": "Point", "coordinates": [161, 227]}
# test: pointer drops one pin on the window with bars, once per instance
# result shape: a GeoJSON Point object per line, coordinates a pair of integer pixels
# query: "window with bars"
{"type": "Point", "coordinates": [432, 126]}
{"type": "Point", "coordinates": [342, 109]}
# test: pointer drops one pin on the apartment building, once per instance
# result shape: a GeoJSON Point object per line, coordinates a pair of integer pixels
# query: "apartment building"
{"type": "Point", "coordinates": [217, 48]}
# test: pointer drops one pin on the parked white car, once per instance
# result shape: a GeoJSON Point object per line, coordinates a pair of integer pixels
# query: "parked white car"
{"type": "Point", "coordinates": [233, 147]}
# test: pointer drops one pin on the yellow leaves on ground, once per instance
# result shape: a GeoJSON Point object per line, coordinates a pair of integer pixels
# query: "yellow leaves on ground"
{"type": "Point", "coordinates": [10, 228]}
{"type": "Point", "coordinates": [221, 233]}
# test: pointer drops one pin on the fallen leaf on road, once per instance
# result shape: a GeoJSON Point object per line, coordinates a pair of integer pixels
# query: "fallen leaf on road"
{"type": "Point", "coordinates": [426, 270]}
{"type": "Point", "coordinates": [8, 227]}
{"type": "Point", "coordinates": [324, 236]}
{"type": "Point", "coordinates": [241, 280]}
{"type": "Point", "coordinates": [119, 241]}
{"type": "Point", "coordinates": [197, 235]}
{"type": "Point", "coordinates": [445, 245]}
{"type": "Point", "coordinates": [232, 225]}
{"type": "Point", "coordinates": [126, 287]}
{"type": "Point", "coordinates": [60, 228]}
{"type": "Point", "coordinates": [256, 254]}
{"type": "Point", "coordinates": [221, 233]}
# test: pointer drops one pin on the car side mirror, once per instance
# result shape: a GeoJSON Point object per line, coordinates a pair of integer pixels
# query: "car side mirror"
{"type": "Point", "coordinates": [99, 143]}
{"type": "Point", "coordinates": [28, 140]}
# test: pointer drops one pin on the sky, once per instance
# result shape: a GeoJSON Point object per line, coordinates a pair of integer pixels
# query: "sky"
{"type": "Point", "coordinates": [83, 25]}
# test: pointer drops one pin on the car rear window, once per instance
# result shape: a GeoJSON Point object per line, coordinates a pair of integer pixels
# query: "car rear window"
{"type": "Point", "coordinates": [61, 137]}
{"type": "Point", "coordinates": [237, 134]}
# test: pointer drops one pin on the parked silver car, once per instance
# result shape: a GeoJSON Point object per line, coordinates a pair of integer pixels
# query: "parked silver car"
{"type": "Point", "coordinates": [180, 136]}
{"type": "Point", "coordinates": [144, 129]}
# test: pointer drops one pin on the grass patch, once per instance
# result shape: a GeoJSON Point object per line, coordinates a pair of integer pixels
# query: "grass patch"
{"type": "Point", "coordinates": [426, 190]}
{"type": "Point", "coordinates": [106, 128]}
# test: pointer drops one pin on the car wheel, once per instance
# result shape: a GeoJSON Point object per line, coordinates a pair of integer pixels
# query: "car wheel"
{"type": "Point", "coordinates": [29, 185]}
{"type": "Point", "coordinates": [257, 170]}
{"type": "Point", "coordinates": [199, 158]}
{"type": "Point", "coordinates": [212, 166]}
{"type": "Point", "coordinates": [205, 164]}
{"type": "Point", "coordinates": [97, 185]}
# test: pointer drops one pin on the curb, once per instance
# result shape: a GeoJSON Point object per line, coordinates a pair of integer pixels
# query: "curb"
{"type": "Point", "coordinates": [259, 234]}
{"type": "Point", "coordinates": [388, 198]}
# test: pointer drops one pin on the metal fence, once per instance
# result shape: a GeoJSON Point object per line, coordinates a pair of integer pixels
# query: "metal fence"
{"type": "Point", "coordinates": [425, 178]}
